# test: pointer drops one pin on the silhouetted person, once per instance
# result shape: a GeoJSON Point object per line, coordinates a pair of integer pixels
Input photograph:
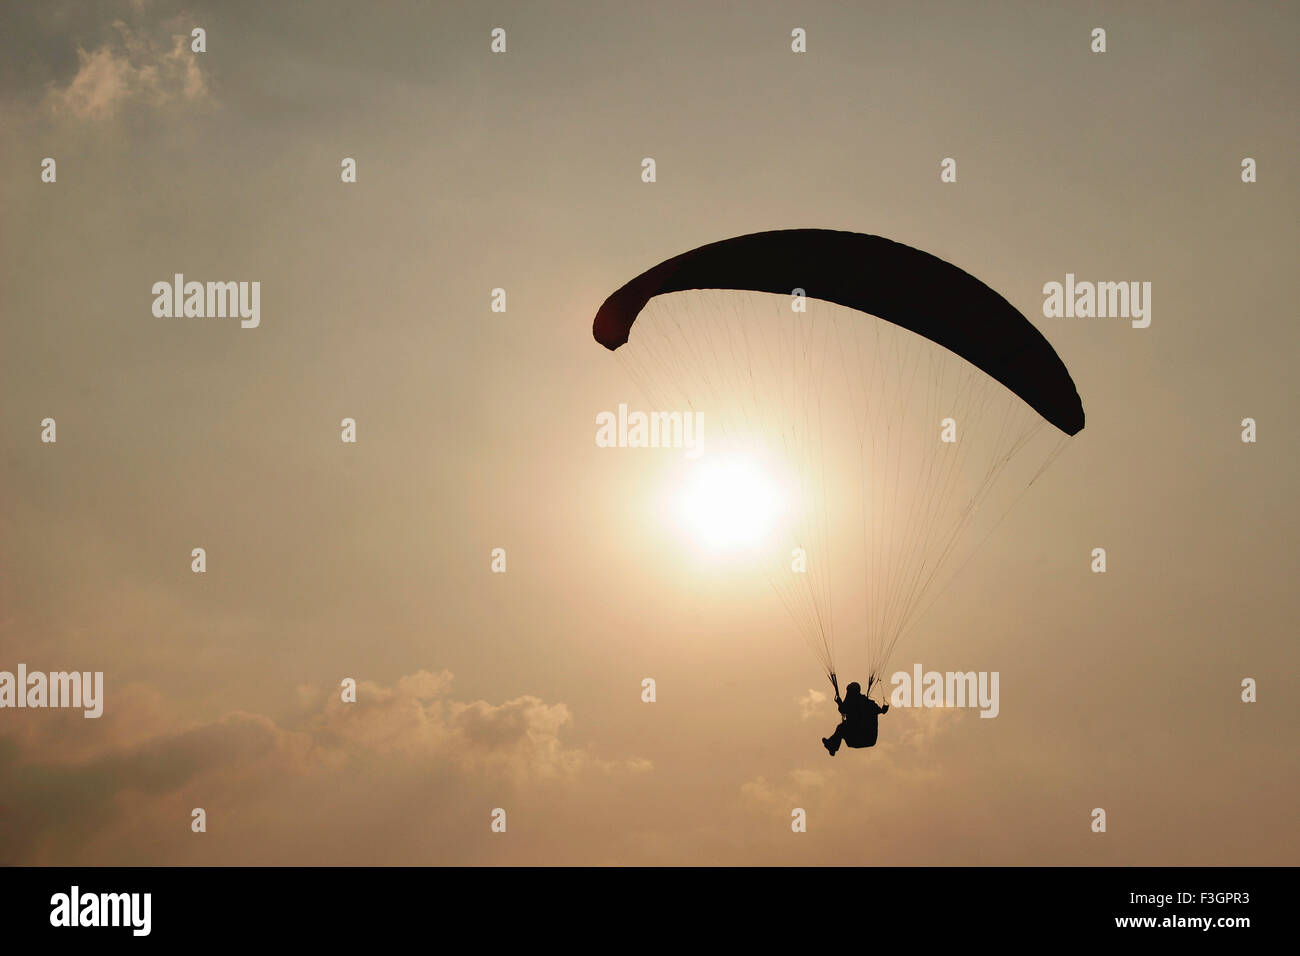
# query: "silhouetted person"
{"type": "Point", "coordinates": [859, 727]}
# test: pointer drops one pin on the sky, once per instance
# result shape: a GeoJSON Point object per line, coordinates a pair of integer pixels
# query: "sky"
{"type": "Point", "coordinates": [523, 691]}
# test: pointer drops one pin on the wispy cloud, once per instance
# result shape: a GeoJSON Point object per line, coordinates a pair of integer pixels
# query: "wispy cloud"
{"type": "Point", "coordinates": [813, 704]}
{"type": "Point", "coordinates": [58, 808]}
{"type": "Point", "coordinates": [153, 69]}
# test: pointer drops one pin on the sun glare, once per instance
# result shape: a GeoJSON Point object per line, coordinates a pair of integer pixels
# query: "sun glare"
{"type": "Point", "coordinates": [728, 504]}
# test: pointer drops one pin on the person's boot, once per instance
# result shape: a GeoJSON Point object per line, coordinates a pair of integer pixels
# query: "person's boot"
{"type": "Point", "coordinates": [830, 745]}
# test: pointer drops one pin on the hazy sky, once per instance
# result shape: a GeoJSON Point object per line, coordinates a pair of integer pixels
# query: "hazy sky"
{"type": "Point", "coordinates": [523, 690]}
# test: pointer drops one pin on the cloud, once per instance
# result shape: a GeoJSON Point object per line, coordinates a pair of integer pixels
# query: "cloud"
{"type": "Point", "coordinates": [518, 739]}
{"type": "Point", "coordinates": [409, 750]}
{"type": "Point", "coordinates": [911, 752]}
{"type": "Point", "coordinates": [760, 791]}
{"type": "Point", "coordinates": [132, 68]}
{"type": "Point", "coordinates": [812, 704]}
{"type": "Point", "coordinates": [70, 802]}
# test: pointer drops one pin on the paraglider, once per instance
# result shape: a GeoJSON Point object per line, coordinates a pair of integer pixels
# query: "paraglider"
{"type": "Point", "coordinates": [859, 727]}
{"type": "Point", "coordinates": [902, 403]}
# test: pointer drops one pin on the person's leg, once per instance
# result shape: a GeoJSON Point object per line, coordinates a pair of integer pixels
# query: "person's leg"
{"type": "Point", "coordinates": [832, 743]}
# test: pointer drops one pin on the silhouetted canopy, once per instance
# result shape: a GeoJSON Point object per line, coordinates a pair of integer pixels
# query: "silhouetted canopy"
{"type": "Point", "coordinates": [902, 408]}
{"type": "Point", "coordinates": [887, 279]}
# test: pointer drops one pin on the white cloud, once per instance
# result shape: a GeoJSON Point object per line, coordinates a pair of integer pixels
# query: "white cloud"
{"type": "Point", "coordinates": [813, 704]}
{"type": "Point", "coordinates": [134, 68]}
{"type": "Point", "coordinates": [394, 737]}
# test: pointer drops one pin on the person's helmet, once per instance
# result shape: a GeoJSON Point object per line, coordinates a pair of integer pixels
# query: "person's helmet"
{"type": "Point", "coordinates": [854, 688]}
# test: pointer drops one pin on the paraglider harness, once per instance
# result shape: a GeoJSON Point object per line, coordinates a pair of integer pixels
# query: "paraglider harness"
{"type": "Point", "coordinates": [871, 681]}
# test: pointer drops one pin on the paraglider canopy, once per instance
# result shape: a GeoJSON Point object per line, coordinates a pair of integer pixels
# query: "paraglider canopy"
{"type": "Point", "coordinates": [871, 274]}
{"type": "Point", "coordinates": [903, 405]}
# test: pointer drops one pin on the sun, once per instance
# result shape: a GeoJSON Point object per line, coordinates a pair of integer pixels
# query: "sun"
{"type": "Point", "coordinates": [728, 504]}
